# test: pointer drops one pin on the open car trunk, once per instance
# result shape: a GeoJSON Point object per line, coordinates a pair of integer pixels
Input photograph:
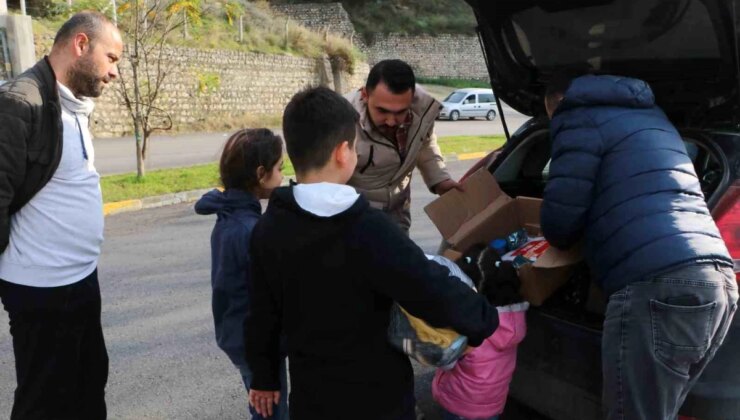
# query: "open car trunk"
{"type": "Point", "coordinates": [685, 49]}
{"type": "Point", "coordinates": [559, 365]}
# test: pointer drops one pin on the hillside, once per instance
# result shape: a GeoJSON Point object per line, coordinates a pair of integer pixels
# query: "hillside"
{"type": "Point", "coordinates": [211, 24]}
{"type": "Point", "coordinates": [405, 16]}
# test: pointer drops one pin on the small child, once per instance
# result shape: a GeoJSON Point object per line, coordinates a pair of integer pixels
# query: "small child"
{"type": "Point", "coordinates": [477, 386]}
{"type": "Point", "coordinates": [250, 169]}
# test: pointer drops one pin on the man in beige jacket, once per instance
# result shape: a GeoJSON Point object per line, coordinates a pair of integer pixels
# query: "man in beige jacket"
{"type": "Point", "coordinates": [395, 134]}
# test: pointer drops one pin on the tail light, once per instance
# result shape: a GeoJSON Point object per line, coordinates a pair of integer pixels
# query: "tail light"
{"type": "Point", "coordinates": [727, 215]}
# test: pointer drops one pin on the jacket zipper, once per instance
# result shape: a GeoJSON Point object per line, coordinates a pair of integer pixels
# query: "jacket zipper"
{"type": "Point", "coordinates": [369, 160]}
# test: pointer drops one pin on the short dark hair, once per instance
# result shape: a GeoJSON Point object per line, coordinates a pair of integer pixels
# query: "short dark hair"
{"type": "Point", "coordinates": [559, 83]}
{"type": "Point", "coordinates": [315, 122]}
{"type": "Point", "coordinates": [396, 74]}
{"type": "Point", "coordinates": [244, 152]}
{"type": "Point", "coordinates": [89, 22]}
{"type": "Point", "coordinates": [499, 282]}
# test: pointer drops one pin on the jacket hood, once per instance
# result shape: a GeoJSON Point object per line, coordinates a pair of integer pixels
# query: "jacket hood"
{"type": "Point", "coordinates": [284, 197]}
{"type": "Point", "coordinates": [216, 201]}
{"type": "Point", "coordinates": [607, 91]}
{"type": "Point", "coordinates": [325, 199]}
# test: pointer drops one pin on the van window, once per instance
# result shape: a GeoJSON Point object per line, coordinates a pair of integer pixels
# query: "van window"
{"type": "Point", "coordinates": [455, 97]}
{"type": "Point", "coordinates": [469, 100]}
{"type": "Point", "coordinates": [485, 98]}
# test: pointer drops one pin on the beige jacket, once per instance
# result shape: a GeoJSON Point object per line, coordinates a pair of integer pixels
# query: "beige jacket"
{"type": "Point", "coordinates": [380, 175]}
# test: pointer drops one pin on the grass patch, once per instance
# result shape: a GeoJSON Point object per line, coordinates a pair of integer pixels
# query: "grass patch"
{"type": "Point", "coordinates": [455, 83]}
{"type": "Point", "coordinates": [166, 181]}
{"type": "Point", "coordinates": [470, 144]}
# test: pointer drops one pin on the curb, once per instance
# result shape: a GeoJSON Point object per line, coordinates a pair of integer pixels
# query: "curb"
{"type": "Point", "coordinates": [153, 202]}
{"type": "Point", "coordinates": [126, 206]}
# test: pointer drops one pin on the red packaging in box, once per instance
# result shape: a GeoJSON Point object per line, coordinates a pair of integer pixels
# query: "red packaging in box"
{"type": "Point", "coordinates": [531, 250]}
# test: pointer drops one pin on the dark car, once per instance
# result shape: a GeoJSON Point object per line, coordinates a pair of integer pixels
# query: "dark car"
{"type": "Point", "coordinates": [688, 51]}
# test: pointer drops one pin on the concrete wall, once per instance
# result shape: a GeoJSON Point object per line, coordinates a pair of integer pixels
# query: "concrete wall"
{"type": "Point", "coordinates": [5, 69]}
{"type": "Point", "coordinates": [319, 16]}
{"type": "Point", "coordinates": [19, 34]}
{"type": "Point", "coordinates": [248, 84]}
{"type": "Point", "coordinates": [445, 56]}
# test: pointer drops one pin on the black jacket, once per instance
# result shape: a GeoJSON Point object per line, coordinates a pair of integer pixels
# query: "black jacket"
{"type": "Point", "coordinates": [30, 139]}
{"type": "Point", "coordinates": [329, 283]}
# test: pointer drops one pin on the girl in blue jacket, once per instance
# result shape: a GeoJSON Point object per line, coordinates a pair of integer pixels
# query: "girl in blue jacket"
{"type": "Point", "coordinates": [250, 168]}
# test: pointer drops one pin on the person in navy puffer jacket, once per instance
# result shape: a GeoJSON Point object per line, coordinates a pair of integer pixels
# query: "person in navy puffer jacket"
{"type": "Point", "coordinates": [621, 181]}
{"type": "Point", "coordinates": [250, 169]}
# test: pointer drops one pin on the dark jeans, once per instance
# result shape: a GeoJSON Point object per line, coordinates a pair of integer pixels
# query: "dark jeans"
{"type": "Point", "coordinates": [60, 357]}
{"type": "Point", "coordinates": [659, 335]}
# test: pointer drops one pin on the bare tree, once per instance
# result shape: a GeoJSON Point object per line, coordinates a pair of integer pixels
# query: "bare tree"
{"type": "Point", "coordinates": [146, 25]}
{"type": "Point", "coordinates": [191, 11]}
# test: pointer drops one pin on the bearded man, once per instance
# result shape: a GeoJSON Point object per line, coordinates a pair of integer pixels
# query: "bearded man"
{"type": "Point", "coordinates": [51, 223]}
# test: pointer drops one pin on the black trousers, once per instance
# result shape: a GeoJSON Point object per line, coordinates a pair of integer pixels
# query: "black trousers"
{"type": "Point", "coordinates": [61, 361]}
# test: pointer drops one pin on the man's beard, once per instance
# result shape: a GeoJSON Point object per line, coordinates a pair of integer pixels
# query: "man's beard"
{"type": "Point", "coordinates": [84, 81]}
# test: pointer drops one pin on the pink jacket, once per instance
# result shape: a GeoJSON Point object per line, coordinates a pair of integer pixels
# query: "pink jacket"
{"type": "Point", "coordinates": [477, 386]}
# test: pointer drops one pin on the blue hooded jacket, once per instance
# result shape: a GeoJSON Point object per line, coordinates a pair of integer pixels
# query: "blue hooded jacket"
{"type": "Point", "coordinates": [237, 213]}
{"type": "Point", "coordinates": [621, 177]}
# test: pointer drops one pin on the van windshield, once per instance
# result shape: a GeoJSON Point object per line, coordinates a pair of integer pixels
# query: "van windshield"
{"type": "Point", "coordinates": [455, 97]}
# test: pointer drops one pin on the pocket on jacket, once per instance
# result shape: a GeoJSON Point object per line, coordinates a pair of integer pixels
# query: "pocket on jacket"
{"type": "Point", "coordinates": [681, 334]}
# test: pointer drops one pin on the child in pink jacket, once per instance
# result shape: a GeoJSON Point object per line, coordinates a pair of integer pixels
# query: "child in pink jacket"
{"type": "Point", "coordinates": [477, 386]}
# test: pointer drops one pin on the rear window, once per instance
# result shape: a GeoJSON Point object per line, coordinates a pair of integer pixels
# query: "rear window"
{"type": "Point", "coordinates": [615, 32]}
{"type": "Point", "coordinates": [485, 98]}
{"type": "Point", "coordinates": [455, 97]}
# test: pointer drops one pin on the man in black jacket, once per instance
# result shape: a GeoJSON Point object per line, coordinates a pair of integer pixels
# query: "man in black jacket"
{"type": "Point", "coordinates": [326, 270]}
{"type": "Point", "coordinates": [51, 223]}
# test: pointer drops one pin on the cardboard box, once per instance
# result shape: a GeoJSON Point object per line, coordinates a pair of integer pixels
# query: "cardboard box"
{"type": "Point", "coordinates": [483, 212]}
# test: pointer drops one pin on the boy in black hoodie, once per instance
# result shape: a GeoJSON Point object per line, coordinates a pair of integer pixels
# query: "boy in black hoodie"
{"type": "Point", "coordinates": [326, 269]}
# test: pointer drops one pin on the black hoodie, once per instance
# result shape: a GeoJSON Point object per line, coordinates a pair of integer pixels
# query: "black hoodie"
{"type": "Point", "coordinates": [328, 283]}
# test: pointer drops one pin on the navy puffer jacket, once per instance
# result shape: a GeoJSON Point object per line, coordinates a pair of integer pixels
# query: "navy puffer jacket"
{"type": "Point", "coordinates": [238, 212]}
{"type": "Point", "coordinates": [620, 177]}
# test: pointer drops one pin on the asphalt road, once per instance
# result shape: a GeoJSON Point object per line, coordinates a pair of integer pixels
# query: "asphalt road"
{"type": "Point", "coordinates": [118, 155]}
{"type": "Point", "coordinates": [154, 275]}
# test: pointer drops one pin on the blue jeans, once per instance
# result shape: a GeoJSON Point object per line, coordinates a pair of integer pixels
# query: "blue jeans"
{"type": "Point", "coordinates": [446, 415]}
{"type": "Point", "coordinates": [281, 411]}
{"type": "Point", "coordinates": [659, 335]}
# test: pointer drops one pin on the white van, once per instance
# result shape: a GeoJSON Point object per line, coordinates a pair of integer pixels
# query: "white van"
{"type": "Point", "coordinates": [469, 103]}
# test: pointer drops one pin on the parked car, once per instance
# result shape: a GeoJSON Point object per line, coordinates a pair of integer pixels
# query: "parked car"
{"type": "Point", "coordinates": [687, 51]}
{"type": "Point", "coordinates": [469, 103]}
